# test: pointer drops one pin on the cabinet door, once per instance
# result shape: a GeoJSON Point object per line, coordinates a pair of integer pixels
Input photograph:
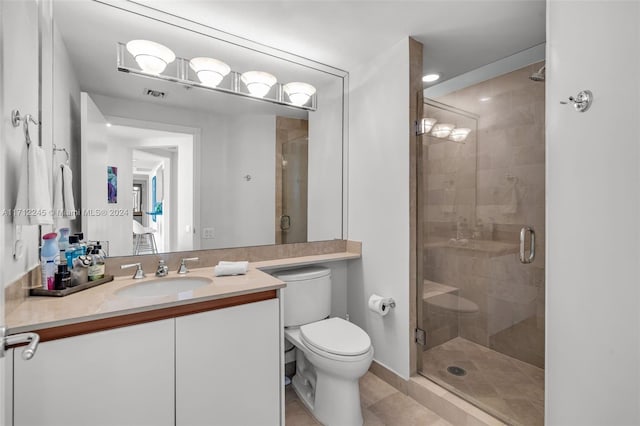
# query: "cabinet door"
{"type": "Point", "coordinates": [228, 366]}
{"type": "Point", "coordinates": [122, 376]}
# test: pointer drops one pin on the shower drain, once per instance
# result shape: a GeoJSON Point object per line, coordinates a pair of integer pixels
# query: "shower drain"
{"type": "Point", "coordinates": [457, 371]}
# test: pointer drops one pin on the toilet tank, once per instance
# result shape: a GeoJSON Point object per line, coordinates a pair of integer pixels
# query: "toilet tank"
{"type": "Point", "coordinates": [307, 296]}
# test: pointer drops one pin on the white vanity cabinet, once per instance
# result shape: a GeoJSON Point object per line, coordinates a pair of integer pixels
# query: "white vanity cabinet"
{"type": "Point", "coordinates": [123, 376]}
{"type": "Point", "coordinates": [228, 366]}
{"type": "Point", "coordinates": [218, 367]}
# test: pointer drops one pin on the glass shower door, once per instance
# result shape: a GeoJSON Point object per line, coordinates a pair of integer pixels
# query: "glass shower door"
{"type": "Point", "coordinates": [293, 222]}
{"type": "Point", "coordinates": [481, 201]}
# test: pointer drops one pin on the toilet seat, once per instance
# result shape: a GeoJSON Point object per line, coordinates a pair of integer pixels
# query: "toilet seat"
{"type": "Point", "coordinates": [337, 337]}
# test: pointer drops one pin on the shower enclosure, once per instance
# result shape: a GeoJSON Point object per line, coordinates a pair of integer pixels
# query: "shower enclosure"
{"type": "Point", "coordinates": [481, 226]}
{"type": "Point", "coordinates": [292, 170]}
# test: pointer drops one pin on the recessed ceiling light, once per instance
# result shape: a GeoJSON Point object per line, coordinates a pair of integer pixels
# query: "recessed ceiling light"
{"type": "Point", "coordinates": [485, 99]}
{"type": "Point", "coordinates": [108, 124]}
{"type": "Point", "coordinates": [430, 78]}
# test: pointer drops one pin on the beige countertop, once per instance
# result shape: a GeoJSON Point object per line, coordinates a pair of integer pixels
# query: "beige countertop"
{"type": "Point", "coordinates": [103, 301]}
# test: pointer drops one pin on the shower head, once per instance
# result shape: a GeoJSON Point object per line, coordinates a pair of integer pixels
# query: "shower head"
{"type": "Point", "coordinates": [539, 75]}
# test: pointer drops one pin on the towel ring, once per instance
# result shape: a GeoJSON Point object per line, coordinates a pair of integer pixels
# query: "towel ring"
{"type": "Point", "coordinates": [16, 118]}
{"type": "Point", "coordinates": [56, 149]}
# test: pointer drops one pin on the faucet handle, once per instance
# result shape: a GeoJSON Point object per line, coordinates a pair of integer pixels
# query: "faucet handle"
{"type": "Point", "coordinates": [139, 274]}
{"type": "Point", "coordinates": [183, 267]}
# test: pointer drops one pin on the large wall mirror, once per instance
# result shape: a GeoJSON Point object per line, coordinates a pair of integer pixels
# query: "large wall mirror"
{"type": "Point", "coordinates": [161, 166]}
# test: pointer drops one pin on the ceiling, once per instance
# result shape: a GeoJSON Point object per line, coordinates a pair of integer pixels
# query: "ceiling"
{"type": "Point", "coordinates": [458, 36]}
{"type": "Point", "coordinates": [89, 32]}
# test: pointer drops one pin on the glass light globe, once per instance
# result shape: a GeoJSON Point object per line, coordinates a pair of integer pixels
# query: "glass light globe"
{"type": "Point", "coordinates": [258, 82]}
{"type": "Point", "coordinates": [427, 124]}
{"type": "Point", "coordinates": [299, 93]}
{"type": "Point", "coordinates": [210, 71]}
{"type": "Point", "coordinates": [152, 57]}
{"type": "Point", "coordinates": [442, 130]}
{"type": "Point", "coordinates": [459, 134]}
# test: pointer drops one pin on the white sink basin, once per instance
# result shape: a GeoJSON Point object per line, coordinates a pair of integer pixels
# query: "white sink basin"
{"type": "Point", "coordinates": [163, 287]}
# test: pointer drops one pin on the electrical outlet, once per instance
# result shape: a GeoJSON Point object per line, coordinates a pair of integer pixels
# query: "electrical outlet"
{"type": "Point", "coordinates": [207, 233]}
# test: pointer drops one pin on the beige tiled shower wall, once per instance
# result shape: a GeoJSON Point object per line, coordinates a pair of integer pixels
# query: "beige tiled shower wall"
{"type": "Point", "coordinates": [287, 130]}
{"type": "Point", "coordinates": [501, 171]}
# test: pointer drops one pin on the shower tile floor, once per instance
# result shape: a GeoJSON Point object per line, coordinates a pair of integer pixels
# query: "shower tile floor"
{"type": "Point", "coordinates": [382, 405]}
{"type": "Point", "coordinates": [505, 387]}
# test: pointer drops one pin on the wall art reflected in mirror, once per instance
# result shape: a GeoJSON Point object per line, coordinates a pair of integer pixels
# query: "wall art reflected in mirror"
{"type": "Point", "coordinates": [196, 168]}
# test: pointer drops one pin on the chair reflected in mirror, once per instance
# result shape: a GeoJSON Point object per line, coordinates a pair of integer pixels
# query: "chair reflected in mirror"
{"type": "Point", "coordinates": [144, 240]}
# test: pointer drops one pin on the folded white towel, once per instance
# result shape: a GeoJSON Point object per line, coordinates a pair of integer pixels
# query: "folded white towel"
{"type": "Point", "coordinates": [33, 206]}
{"type": "Point", "coordinates": [243, 263]}
{"type": "Point", "coordinates": [230, 268]}
{"type": "Point", "coordinates": [63, 203]}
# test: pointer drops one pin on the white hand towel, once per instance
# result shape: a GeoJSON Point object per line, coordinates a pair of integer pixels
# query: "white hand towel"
{"type": "Point", "coordinates": [33, 206]}
{"type": "Point", "coordinates": [230, 268]}
{"type": "Point", "coordinates": [243, 263]}
{"type": "Point", "coordinates": [511, 201]}
{"type": "Point", "coordinates": [63, 202]}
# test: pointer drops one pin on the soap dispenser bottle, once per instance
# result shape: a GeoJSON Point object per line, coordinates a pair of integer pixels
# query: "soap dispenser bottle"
{"type": "Point", "coordinates": [96, 270]}
{"type": "Point", "coordinates": [48, 254]}
{"type": "Point", "coordinates": [63, 276]}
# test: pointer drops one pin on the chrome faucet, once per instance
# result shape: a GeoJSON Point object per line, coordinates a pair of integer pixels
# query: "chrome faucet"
{"type": "Point", "coordinates": [139, 274]}
{"type": "Point", "coordinates": [163, 269]}
{"type": "Point", "coordinates": [183, 267]}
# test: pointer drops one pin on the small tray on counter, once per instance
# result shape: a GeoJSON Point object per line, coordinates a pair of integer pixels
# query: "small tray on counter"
{"type": "Point", "coordinates": [69, 290]}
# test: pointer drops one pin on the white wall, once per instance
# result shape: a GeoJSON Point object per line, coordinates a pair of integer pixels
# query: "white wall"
{"type": "Point", "coordinates": [20, 84]}
{"type": "Point", "coordinates": [593, 210]}
{"type": "Point", "coordinates": [66, 119]}
{"type": "Point", "coordinates": [379, 135]}
{"type": "Point", "coordinates": [249, 205]}
{"type": "Point", "coordinates": [324, 205]}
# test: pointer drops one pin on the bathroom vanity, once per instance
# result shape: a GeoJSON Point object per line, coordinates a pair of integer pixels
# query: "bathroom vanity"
{"type": "Point", "coordinates": [203, 354]}
{"type": "Point", "coordinates": [213, 353]}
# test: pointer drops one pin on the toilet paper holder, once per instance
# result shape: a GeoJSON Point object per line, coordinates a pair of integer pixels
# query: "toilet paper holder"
{"type": "Point", "coordinates": [381, 305]}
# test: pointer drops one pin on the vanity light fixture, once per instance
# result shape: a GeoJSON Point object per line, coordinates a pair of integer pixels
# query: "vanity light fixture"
{"type": "Point", "coordinates": [299, 93]}
{"type": "Point", "coordinates": [426, 124]}
{"type": "Point", "coordinates": [210, 71]}
{"type": "Point", "coordinates": [459, 134]}
{"type": "Point", "coordinates": [430, 78]}
{"type": "Point", "coordinates": [258, 82]}
{"type": "Point", "coordinates": [210, 75]}
{"type": "Point", "coordinates": [152, 57]}
{"type": "Point", "coordinates": [442, 130]}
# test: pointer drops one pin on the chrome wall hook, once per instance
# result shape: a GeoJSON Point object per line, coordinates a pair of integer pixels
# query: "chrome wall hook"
{"type": "Point", "coordinates": [16, 119]}
{"type": "Point", "coordinates": [581, 102]}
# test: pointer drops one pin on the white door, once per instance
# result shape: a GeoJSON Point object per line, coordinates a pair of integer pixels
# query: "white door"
{"type": "Point", "coordinates": [19, 83]}
{"type": "Point", "coordinates": [593, 207]}
{"type": "Point", "coordinates": [105, 153]}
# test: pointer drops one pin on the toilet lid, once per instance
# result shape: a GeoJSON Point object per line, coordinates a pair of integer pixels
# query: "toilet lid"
{"type": "Point", "coordinates": [336, 336]}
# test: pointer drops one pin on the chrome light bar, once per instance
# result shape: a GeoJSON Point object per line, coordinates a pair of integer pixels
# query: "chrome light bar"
{"type": "Point", "coordinates": [182, 78]}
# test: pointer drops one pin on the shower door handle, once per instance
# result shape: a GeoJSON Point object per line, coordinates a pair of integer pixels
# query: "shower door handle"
{"type": "Point", "coordinates": [532, 245]}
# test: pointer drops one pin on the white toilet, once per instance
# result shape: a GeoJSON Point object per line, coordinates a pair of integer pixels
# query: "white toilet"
{"type": "Point", "coordinates": [331, 353]}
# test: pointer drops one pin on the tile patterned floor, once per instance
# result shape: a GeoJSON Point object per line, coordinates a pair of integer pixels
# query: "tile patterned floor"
{"type": "Point", "coordinates": [382, 405]}
{"type": "Point", "coordinates": [503, 386]}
